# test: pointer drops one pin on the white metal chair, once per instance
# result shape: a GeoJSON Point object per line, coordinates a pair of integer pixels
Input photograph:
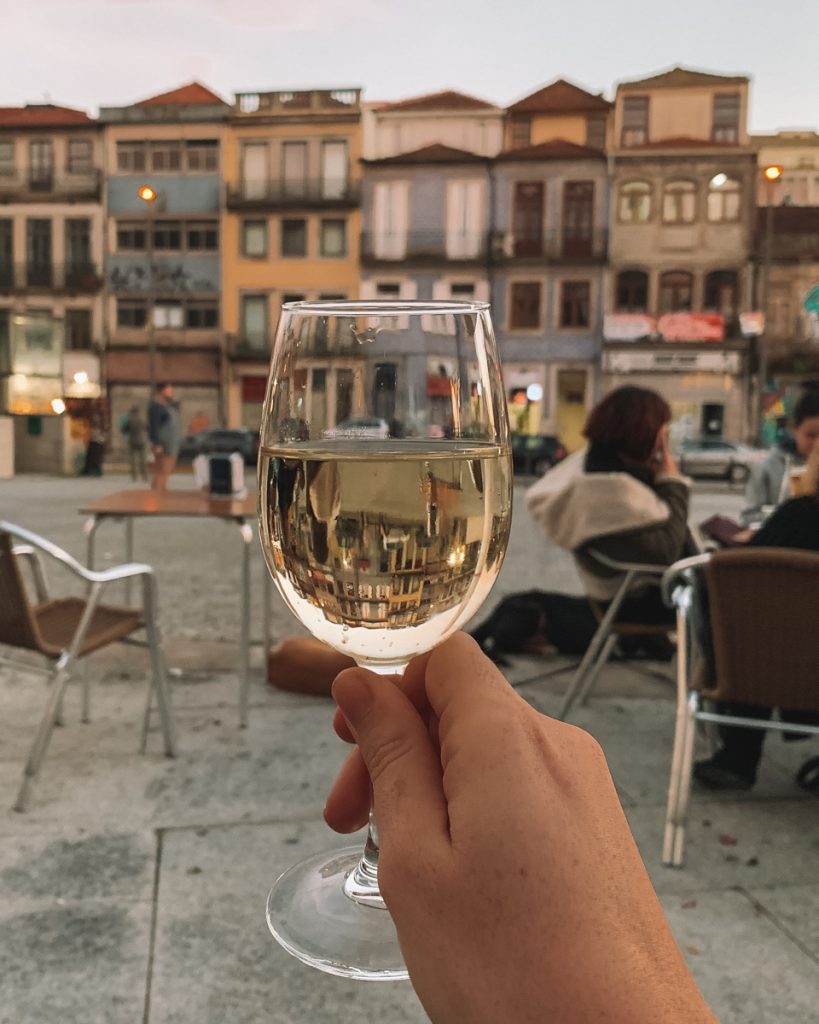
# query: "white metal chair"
{"type": "Point", "coordinates": [634, 577]}
{"type": "Point", "coordinates": [763, 604]}
{"type": "Point", "coordinates": [65, 630]}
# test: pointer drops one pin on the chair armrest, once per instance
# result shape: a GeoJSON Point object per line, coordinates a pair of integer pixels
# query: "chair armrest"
{"type": "Point", "coordinates": [681, 575]}
{"type": "Point", "coordinates": [31, 555]}
{"type": "Point", "coordinates": [640, 567]}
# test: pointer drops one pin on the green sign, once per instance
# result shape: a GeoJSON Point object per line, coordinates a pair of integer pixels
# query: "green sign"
{"type": "Point", "coordinates": [812, 300]}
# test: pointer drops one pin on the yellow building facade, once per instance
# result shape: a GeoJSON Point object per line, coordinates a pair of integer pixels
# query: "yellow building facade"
{"type": "Point", "coordinates": [291, 226]}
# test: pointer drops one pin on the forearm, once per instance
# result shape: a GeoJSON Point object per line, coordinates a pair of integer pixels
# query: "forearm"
{"type": "Point", "coordinates": [660, 544]}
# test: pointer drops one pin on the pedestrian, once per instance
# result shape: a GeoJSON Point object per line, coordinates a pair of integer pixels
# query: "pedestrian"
{"type": "Point", "coordinates": [95, 448]}
{"type": "Point", "coordinates": [506, 861]}
{"type": "Point", "coordinates": [135, 432]}
{"type": "Point", "coordinates": [165, 435]}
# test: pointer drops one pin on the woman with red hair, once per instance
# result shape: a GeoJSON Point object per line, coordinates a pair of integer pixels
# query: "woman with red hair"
{"type": "Point", "coordinates": [622, 496]}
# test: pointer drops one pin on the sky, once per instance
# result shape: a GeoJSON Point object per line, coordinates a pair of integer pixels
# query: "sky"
{"type": "Point", "coordinates": [88, 53]}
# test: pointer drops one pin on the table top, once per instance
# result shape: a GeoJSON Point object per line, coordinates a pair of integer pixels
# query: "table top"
{"type": "Point", "coordinates": [137, 503]}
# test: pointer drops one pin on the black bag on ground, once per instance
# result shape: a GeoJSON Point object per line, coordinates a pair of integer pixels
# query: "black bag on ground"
{"type": "Point", "coordinates": [561, 620]}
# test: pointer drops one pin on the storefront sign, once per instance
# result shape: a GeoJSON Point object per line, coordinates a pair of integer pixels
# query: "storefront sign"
{"type": "Point", "coordinates": [691, 327]}
{"type": "Point", "coordinates": [628, 326]}
{"type": "Point", "coordinates": [752, 325]}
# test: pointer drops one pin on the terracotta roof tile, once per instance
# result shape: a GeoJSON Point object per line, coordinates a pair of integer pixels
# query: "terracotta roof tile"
{"type": "Point", "coordinates": [556, 149]}
{"type": "Point", "coordinates": [679, 77]}
{"type": "Point", "coordinates": [561, 97]}
{"type": "Point", "coordinates": [194, 94]}
{"type": "Point", "coordinates": [43, 115]}
{"type": "Point", "coordinates": [437, 153]}
{"type": "Point", "coordinates": [446, 99]}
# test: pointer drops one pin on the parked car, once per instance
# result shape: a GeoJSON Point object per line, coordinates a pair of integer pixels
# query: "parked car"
{"type": "Point", "coordinates": [221, 440]}
{"type": "Point", "coordinates": [535, 453]}
{"type": "Point", "coordinates": [360, 426]}
{"type": "Point", "coordinates": [716, 457]}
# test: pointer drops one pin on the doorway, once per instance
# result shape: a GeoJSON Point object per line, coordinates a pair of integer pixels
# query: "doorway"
{"type": "Point", "coordinates": [570, 407]}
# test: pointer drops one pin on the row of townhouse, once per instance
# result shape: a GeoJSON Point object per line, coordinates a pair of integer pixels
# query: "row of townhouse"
{"type": "Point", "coordinates": [615, 241]}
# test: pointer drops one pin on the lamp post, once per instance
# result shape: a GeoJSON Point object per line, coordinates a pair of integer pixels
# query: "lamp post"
{"type": "Point", "coordinates": [148, 196]}
{"type": "Point", "coordinates": [771, 175]}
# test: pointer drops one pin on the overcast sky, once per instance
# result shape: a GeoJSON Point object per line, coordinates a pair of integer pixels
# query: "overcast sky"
{"type": "Point", "coordinates": [88, 53]}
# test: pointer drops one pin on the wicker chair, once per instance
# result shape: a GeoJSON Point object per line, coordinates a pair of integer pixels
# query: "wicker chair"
{"type": "Point", "coordinates": [634, 577]}
{"type": "Point", "coordinates": [65, 630]}
{"type": "Point", "coordinates": [763, 604]}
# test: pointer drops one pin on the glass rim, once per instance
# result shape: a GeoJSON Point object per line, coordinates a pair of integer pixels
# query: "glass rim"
{"type": "Point", "coordinates": [384, 307]}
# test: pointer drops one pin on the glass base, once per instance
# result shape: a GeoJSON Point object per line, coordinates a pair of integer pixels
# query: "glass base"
{"type": "Point", "coordinates": [311, 915]}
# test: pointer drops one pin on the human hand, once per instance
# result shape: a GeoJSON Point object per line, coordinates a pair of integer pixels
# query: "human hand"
{"type": "Point", "coordinates": [506, 862]}
{"type": "Point", "coordinates": [663, 462]}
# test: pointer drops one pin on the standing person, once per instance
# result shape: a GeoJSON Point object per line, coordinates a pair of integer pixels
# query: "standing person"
{"type": "Point", "coordinates": [165, 435]}
{"type": "Point", "coordinates": [135, 430]}
{"type": "Point", "coordinates": [769, 482]}
{"type": "Point", "coordinates": [95, 449]}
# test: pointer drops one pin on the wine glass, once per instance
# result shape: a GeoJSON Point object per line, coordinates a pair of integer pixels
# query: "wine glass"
{"type": "Point", "coordinates": [385, 502]}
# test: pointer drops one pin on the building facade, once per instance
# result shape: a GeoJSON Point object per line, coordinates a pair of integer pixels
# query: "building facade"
{"type": "Point", "coordinates": [163, 316]}
{"type": "Point", "coordinates": [292, 226]}
{"type": "Point", "coordinates": [681, 247]}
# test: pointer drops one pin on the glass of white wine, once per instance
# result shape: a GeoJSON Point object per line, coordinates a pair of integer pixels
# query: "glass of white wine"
{"type": "Point", "coordinates": [385, 502]}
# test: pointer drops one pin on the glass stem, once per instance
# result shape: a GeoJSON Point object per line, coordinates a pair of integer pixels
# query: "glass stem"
{"type": "Point", "coordinates": [361, 884]}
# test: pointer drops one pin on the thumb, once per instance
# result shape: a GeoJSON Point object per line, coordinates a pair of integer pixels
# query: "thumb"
{"type": "Point", "coordinates": [403, 765]}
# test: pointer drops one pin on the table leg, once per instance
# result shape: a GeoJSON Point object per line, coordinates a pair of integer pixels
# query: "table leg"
{"type": "Point", "coordinates": [129, 556]}
{"type": "Point", "coordinates": [89, 529]}
{"type": "Point", "coordinates": [244, 648]}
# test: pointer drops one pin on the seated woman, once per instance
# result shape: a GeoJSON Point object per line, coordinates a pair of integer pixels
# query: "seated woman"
{"type": "Point", "coordinates": [623, 497]}
{"type": "Point", "coordinates": [795, 524]}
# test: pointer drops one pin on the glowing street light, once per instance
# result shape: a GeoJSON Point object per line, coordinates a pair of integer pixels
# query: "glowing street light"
{"type": "Point", "coordinates": [146, 193]}
{"type": "Point", "coordinates": [772, 173]}
{"type": "Point", "coordinates": [719, 179]}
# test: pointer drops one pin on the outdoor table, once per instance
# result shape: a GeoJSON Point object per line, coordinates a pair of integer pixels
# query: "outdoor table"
{"type": "Point", "coordinates": [146, 504]}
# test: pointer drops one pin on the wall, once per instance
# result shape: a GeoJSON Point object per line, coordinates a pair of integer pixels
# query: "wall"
{"type": "Point", "coordinates": [388, 134]}
{"type": "Point", "coordinates": [677, 113]}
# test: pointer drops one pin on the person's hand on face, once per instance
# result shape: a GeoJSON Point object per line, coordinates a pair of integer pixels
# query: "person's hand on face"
{"type": "Point", "coordinates": [806, 436]}
{"type": "Point", "coordinates": [506, 862]}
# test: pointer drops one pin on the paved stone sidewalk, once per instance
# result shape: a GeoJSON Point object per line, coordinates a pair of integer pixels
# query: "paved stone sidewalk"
{"type": "Point", "coordinates": [133, 890]}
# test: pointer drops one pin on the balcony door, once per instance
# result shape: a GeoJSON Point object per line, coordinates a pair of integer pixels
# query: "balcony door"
{"type": "Point", "coordinates": [527, 218]}
{"type": "Point", "coordinates": [390, 219]}
{"type": "Point", "coordinates": [333, 170]}
{"type": "Point", "coordinates": [40, 165]}
{"type": "Point", "coordinates": [254, 170]}
{"type": "Point", "coordinates": [38, 251]}
{"type": "Point", "coordinates": [578, 218]}
{"type": "Point", "coordinates": [464, 219]}
{"type": "Point", "coordinates": [294, 168]}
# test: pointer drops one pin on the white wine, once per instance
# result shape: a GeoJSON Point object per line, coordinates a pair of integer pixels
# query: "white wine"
{"type": "Point", "coordinates": [383, 548]}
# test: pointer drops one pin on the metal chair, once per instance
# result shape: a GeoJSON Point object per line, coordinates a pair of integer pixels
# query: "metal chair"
{"type": "Point", "coordinates": [763, 604]}
{"type": "Point", "coordinates": [65, 630]}
{"type": "Point", "coordinates": [635, 576]}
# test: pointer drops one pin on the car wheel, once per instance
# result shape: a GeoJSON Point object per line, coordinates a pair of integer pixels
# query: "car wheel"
{"type": "Point", "coordinates": [738, 474]}
{"type": "Point", "coordinates": [542, 465]}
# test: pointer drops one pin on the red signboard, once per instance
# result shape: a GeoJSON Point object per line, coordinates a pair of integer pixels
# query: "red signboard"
{"type": "Point", "coordinates": [438, 387]}
{"type": "Point", "coordinates": [691, 327]}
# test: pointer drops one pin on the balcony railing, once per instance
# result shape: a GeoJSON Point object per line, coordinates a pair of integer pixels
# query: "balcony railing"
{"type": "Point", "coordinates": [310, 192]}
{"type": "Point", "coordinates": [432, 246]}
{"type": "Point", "coordinates": [63, 277]}
{"type": "Point", "coordinates": [49, 186]}
{"type": "Point", "coordinates": [298, 103]}
{"type": "Point", "coordinates": [552, 246]}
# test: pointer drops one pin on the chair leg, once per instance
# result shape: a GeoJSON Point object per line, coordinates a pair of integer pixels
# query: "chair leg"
{"type": "Point", "coordinates": [586, 665]}
{"type": "Point", "coordinates": [674, 845]}
{"type": "Point", "coordinates": [86, 694]}
{"type": "Point", "coordinates": [44, 730]}
{"type": "Point", "coordinates": [159, 679]}
{"type": "Point", "coordinates": [591, 678]}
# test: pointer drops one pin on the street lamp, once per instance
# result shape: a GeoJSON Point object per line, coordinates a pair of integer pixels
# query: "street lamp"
{"type": "Point", "coordinates": [771, 175]}
{"type": "Point", "coordinates": [148, 195]}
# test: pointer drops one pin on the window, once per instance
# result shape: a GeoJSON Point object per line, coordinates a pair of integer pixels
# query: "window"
{"type": "Point", "coordinates": [254, 170]}
{"type": "Point", "coordinates": [463, 290]}
{"type": "Point", "coordinates": [131, 313]}
{"type": "Point", "coordinates": [79, 156]}
{"type": "Point", "coordinates": [294, 237]}
{"type": "Point", "coordinates": [676, 287]}
{"type": "Point", "coordinates": [578, 218]}
{"type": "Point", "coordinates": [77, 243]}
{"type": "Point", "coordinates": [41, 165]}
{"type": "Point", "coordinates": [201, 315]}
{"type": "Point", "coordinates": [77, 329]}
{"type": "Point", "coordinates": [726, 117]}
{"type": "Point", "coordinates": [721, 296]}
{"type": "Point", "coordinates": [202, 155]}
{"type": "Point", "coordinates": [6, 159]}
{"type": "Point", "coordinates": [5, 353]}
{"type": "Point", "coordinates": [294, 168]}
{"type": "Point", "coordinates": [130, 157]}
{"type": "Point", "coordinates": [202, 235]}
{"type": "Point", "coordinates": [254, 322]}
{"type": "Point", "coordinates": [388, 290]}
{"type": "Point", "coordinates": [635, 202]}
{"type": "Point", "coordinates": [6, 251]}
{"type": "Point", "coordinates": [679, 202]}
{"type": "Point", "coordinates": [525, 305]}
{"type": "Point", "coordinates": [333, 238]}
{"type": "Point", "coordinates": [723, 198]}
{"type": "Point", "coordinates": [38, 251]}
{"type": "Point", "coordinates": [521, 132]}
{"type": "Point", "coordinates": [333, 170]}
{"type": "Point", "coordinates": [596, 131]}
{"type": "Point", "coordinates": [390, 219]}
{"type": "Point", "coordinates": [575, 301]}
{"type": "Point", "coordinates": [464, 218]}
{"type": "Point", "coordinates": [131, 236]}
{"type": "Point", "coordinates": [527, 218]}
{"type": "Point", "coordinates": [254, 239]}
{"type": "Point", "coordinates": [632, 291]}
{"type": "Point", "coordinates": [635, 120]}
{"type": "Point", "coordinates": [167, 234]}
{"type": "Point", "coordinates": [168, 314]}
{"type": "Point", "coordinates": [166, 156]}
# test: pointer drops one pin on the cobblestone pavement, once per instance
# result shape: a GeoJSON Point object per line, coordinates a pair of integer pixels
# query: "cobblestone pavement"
{"type": "Point", "coordinates": [133, 890]}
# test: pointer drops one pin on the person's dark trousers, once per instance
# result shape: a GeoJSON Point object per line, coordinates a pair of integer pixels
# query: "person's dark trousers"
{"type": "Point", "coordinates": [742, 748]}
{"type": "Point", "coordinates": [94, 455]}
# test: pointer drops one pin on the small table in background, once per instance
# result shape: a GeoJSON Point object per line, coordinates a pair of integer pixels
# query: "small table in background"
{"type": "Point", "coordinates": [148, 504]}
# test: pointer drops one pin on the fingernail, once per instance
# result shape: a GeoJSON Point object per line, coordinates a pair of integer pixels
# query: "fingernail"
{"type": "Point", "coordinates": [353, 695]}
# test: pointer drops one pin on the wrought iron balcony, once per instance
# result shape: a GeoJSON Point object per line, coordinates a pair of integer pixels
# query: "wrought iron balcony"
{"type": "Point", "coordinates": [55, 277]}
{"type": "Point", "coordinates": [556, 246]}
{"type": "Point", "coordinates": [38, 185]}
{"type": "Point", "coordinates": [274, 192]}
{"type": "Point", "coordinates": [433, 246]}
